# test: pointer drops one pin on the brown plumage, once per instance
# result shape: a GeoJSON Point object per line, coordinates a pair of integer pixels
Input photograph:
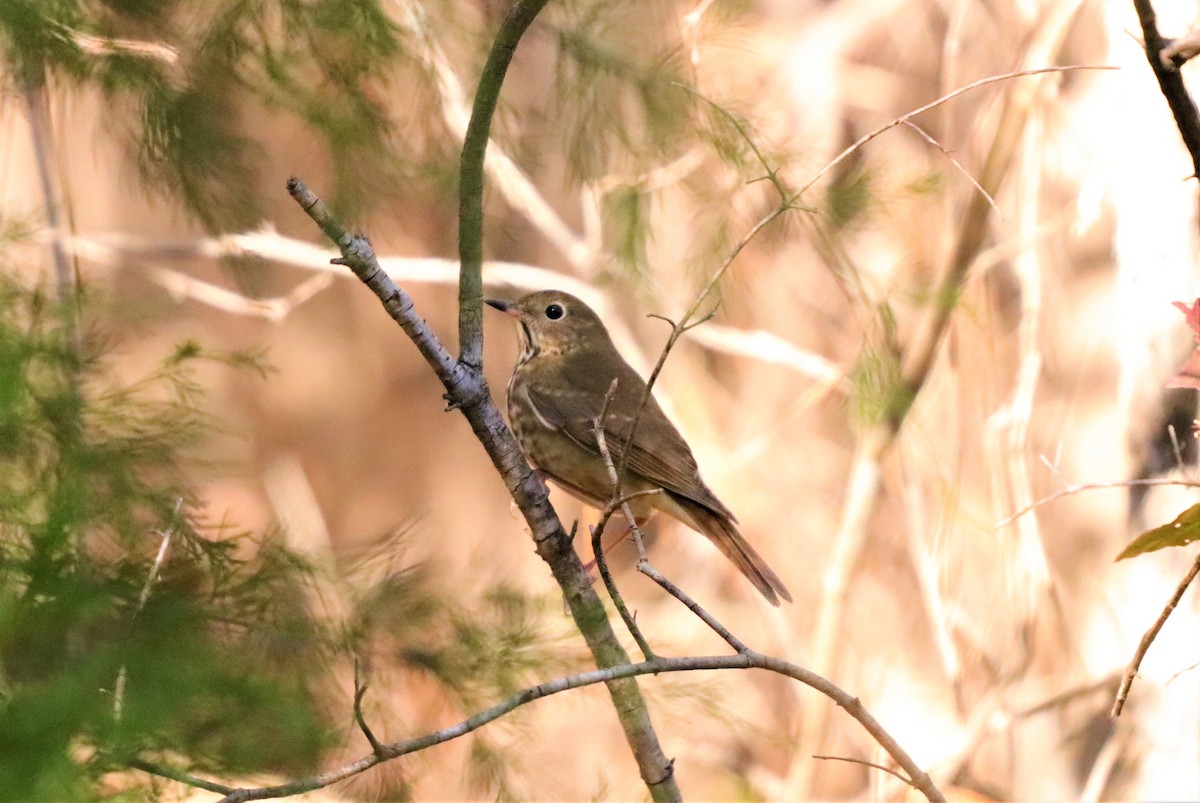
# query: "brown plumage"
{"type": "Point", "coordinates": [557, 390]}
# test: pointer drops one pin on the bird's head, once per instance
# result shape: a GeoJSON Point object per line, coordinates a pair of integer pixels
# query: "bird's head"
{"type": "Point", "coordinates": [554, 322]}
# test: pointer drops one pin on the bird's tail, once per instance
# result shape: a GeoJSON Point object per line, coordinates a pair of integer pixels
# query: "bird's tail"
{"type": "Point", "coordinates": [724, 533]}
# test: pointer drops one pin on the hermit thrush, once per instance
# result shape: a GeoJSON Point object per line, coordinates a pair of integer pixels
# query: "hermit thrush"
{"type": "Point", "coordinates": [567, 365]}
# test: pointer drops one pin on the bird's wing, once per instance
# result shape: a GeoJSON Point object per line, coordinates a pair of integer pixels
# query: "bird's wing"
{"type": "Point", "coordinates": [576, 402]}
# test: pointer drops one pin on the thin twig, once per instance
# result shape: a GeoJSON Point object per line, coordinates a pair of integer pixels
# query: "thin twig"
{"type": "Point", "coordinates": [1148, 639]}
{"type": "Point", "coordinates": [181, 777]}
{"type": "Point", "coordinates": [957, 165]}
{"type": "Point", "coordinates": [675, 591]}
{"type": "Point", "coordinates": [872, 764]}
{"type": "Point", "coordinates": [360, 689]}
{"type": "Point", "coordinates": [1091, 486]}
{"type": "Point", "coordinates": [1174, 677]}
{"type": "Point", "coordinates": [992, 79]}
{"type": "Point", "coordinates": [750, 659]}
{"type": "Point", "coordinates": [772, 173]}
{"type": "Point", "coordinates": [786, 203]}
{"type": "Point", "coordinates": [143, 598]}
{"type": "Point", "coordinates": [622, 502]}
{"type": "Point", "coordinates": [685, 323]}
{"type": "Point", "coordinates": [618, 601]}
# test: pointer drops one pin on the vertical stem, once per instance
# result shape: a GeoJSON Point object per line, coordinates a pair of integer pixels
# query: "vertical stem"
{"type": "Point", "coordinates": [470, 181]}
{"type": "Point", "coordinates": [34, 90]}
{"type": "Point", "coordinates": [586, 608]}
{"type": "Point", "coordinates": [1170, 81]}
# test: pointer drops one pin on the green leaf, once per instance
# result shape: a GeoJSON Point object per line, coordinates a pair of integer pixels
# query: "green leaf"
{"type": "Point", "coordinates": [1181, 532]}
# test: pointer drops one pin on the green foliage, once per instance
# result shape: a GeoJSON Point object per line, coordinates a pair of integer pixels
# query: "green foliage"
{"type": "Point", "coordinates": [880, 392]}
{"type": "Point", "coordinates": [848, 199]}
{"type": "Point", "coordinates": [618, 106]}
{"type": "Point", "coordinates": [1182, 531]}
{"type": "Point", "coordinates": [187, 76]}
{"type": "Point", "coordinates": [90, 482]}
{"type": "Point", "coordinates": [626, 228]}
{"type": "Point", "coordinates": [477, 649]}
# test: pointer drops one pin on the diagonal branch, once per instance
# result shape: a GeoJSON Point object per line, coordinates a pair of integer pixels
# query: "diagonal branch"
{"type": "Point", "coordinates": [467, 392]}
{"type": "Point", "coordinates": [1148, 639]}
{"type": "Point", "coordinates": [689, 320]}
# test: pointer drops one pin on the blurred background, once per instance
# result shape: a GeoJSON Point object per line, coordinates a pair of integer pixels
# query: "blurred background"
{"type": "Point", "coordinates": [145, 146]}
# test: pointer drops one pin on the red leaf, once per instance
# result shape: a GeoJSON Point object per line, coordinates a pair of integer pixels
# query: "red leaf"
{"type": "Point", "coordinates": [1192, 313]}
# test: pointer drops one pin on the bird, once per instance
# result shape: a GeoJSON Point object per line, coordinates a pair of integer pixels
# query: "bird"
{"type": "Point", "coordinates": [557, 391]}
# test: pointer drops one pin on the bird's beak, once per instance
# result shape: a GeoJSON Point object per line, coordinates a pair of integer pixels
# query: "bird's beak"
{"type": "Point", "coordinates": [504, 306]}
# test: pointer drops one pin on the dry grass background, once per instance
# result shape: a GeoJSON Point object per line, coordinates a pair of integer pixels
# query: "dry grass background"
{"type": "Point", "coordinates": [989, 651]}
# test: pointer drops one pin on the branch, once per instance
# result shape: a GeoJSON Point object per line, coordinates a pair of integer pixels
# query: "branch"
{"type": "Point", "coordinates": [904, 118]}
{"type": "Point", "coordinates": [360, 689]}
{"type": "Point", "coordinates": [925, 135]}
{"type": "Point", "coordinates": [786, 203]}
{"type": "Point", "coordinates": [644, 566]}
{"type": "Point", "coordinates": [618, 502]}
{"type": "Point", "coordinates": [1170, 81]}
{"type": "Point", "coordinates": [527, 490]}
{"type": "Point", "coordinates": [871, 764]}
{"type": "Point", "coordinates": [467, 392]}
{"type": "Point", "coordinates": [470, 180]}
{"type": "Point", "coordinates": [750, 659]}
{"type": "Point", "coordinates": [507, 176]}
{"type": "Point", "coordinates": [675, 591]}
{"type": "Point", "coordinates": [1091, 486]}
{"type": "Point", "coordinates": [1148, 639]}
{"type": "Point", "coordinates": [144, 597]}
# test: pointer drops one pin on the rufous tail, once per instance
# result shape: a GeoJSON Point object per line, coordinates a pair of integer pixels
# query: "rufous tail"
{"type": "Point", "coordinates": [723, 532]}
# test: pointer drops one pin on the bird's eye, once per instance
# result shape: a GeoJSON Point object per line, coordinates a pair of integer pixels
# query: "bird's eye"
{"type": "Point", "coordinates": [555, 311]}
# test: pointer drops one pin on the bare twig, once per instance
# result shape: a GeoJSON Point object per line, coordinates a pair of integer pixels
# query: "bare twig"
{"type": "Point", "coordinates": [1174, 677]}
{"type": "Point", "coordinates": [871, 764]}
{"type": "Point", "coordinates": [610, 585]}
{"type": "Point", "coordinates": [991, 79]}
{"type": "Point", "coordinates": [1148, 639]}
{"type": "Point", "coordinates": [686, 322]}
{"type": "Point", "coordinates": [618, 501]}
{"type": "Point", "coordinates": [644, 565]}
{"type": "Point", "coordinates": [921, 132]}
{"type": "Point", "coordinates": [1091, 486]}
{"type": "Point", "coordinates": [143, 598]}
{"type": "Point", "coordinates": [750, 659]}
{"type": "Point", "coordinates": [34, 88]}
{"type": "Point", "coordinates": [675, 591]}
{"type": "Point", "coordinates": [360, 689]}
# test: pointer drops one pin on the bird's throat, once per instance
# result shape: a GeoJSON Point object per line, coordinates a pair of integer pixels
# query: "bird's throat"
{"type": "Point", "coordinates": [529, 347]}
